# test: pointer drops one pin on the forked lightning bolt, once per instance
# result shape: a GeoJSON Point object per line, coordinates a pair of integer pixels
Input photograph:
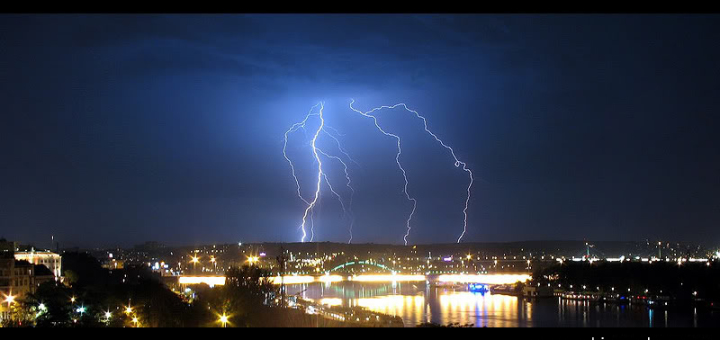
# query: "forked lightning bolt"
{"type": "Point", "coordinates": [294, 128]}
{"type": "Point", "coordinates": [311, 204]}
{"type": "Point", "coordinates": [397, 160]}
{"type": "Point", "coordinates": [319, 177]}
{"type": "Point", "coordinates": [322, 176]}
{"type": "Point", "coordinates": [458, 163]}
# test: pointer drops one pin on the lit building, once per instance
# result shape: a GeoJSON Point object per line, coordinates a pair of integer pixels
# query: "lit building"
{"type": "Point", "coordinates": [17, 278]}
{"type": "Point", "coordinates": [47, 258]}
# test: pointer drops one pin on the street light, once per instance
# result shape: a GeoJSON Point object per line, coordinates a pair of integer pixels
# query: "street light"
{"type": "Point", "coordinates": [224, 320]}
{"type": "Point", "coordinates": [194, 261]}
{"type": "Point", "coordinates": [135, 321]}
{"type": "Point", "coordinates": [9, 299]}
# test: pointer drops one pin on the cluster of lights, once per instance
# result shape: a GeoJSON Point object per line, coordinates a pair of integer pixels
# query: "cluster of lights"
{"type": "Point", "coordinates": [42, 308]}
{"type": "Point", "coordinates": [129, 311]}
{"type": "Point", "coordinates": [388, 278]}
{"type": "Point", "coordinates": [483, 278]}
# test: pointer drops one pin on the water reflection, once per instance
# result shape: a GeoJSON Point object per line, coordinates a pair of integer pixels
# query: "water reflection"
{"type": "Point", "coordinates": [416, 303]}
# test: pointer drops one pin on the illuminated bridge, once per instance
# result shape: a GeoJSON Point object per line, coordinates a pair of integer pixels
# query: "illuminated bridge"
{"type": "Point", "coordinates": [394, 277]}
{"type": "Point", "coordinates": [353, 263]}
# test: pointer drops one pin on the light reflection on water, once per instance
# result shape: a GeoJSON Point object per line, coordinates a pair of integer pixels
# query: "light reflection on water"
{"type": "Point", "coordinates": [417, 303]}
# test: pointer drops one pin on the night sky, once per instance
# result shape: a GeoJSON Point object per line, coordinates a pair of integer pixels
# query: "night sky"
{"type": "Point", "coordinates": [119, 129]}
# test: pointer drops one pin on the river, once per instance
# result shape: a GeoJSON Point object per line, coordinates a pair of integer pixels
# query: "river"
{"type": "Point", "coordinates": [417, 303]}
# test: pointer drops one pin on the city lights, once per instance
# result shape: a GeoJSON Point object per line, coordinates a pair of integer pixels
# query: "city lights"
{"type": "Point", "coordinates": [485, 278]}
{"type": "Point", "coordinates": [209, 280]}
{"type": "Point", "coordinates": [330, 278]}
{"type": "Point", "coordinates": [292, 279]}
{"type": "Point", "coordinates": [566, 152]}
{"type": "Point", "coordinates": [388, 278]}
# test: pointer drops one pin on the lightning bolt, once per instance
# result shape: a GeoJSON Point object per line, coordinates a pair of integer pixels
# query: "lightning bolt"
{"type": "Point", "coordinates": [321, 176]}
{"type": "Point", "coordinates": [337, 142]}
{"type": "Point", "coordinates": [348, 184]}
{"type": "Point", "coordinates": [458, 163]}
{"type": "Point", "coordinates": [397, 160]}
{"type": "Point", "coordinates": [294, 128]}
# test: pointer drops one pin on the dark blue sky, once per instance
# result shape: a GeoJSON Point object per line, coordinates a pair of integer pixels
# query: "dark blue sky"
{"type": "Point", "coordinates": [117, 129]}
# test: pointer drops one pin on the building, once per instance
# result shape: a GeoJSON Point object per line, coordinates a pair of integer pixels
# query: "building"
{"type": "Point", "coordinates": [17, 279]}
{"type": "Point", "coordinates": [7, 264]}
{"type": "Point", "coordinates": [21, 272]}
{"type": "Point", "coordinates": [43, 257]}
{"type": "Point", "coordinates": [43, 274]}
